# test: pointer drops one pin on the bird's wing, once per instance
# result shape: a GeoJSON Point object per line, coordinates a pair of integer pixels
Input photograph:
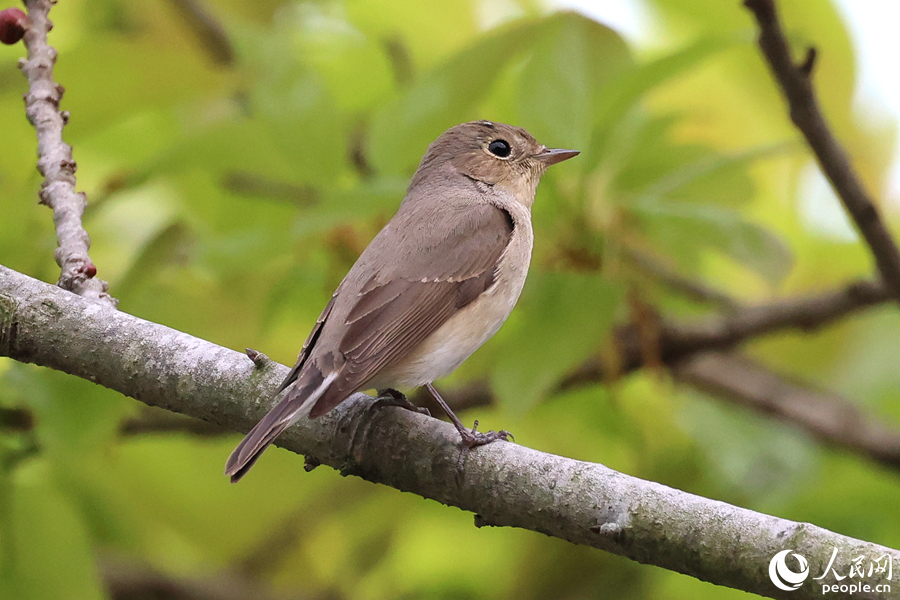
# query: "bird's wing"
{"type": "Point", "coordinates": [282, 415]}
{"type": "Point", "coordinates": [377, 317]}
{"type": "Point", "coordinates": [308, 344]}
{"type": "Point", "coordinates": [441, 268]}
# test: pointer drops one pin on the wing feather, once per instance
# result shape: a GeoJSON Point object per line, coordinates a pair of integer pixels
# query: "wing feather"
{"type": "Point", "coordinates": [392, 311]}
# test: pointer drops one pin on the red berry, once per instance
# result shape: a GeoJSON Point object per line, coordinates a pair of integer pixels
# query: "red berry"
{"type": "Point", "coordinates": [12, 25]}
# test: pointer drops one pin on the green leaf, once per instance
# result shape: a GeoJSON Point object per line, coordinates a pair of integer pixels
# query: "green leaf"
{"type": "Point", "coordinates": [46, 530]}
{"type": "Point", "coordinates": [686, 230]}
{"type": "Point", "coordinates": [569, 67]}
{"type": "Point", "coordinates": [171, 244]}
{"type": "Point", "coordinates": [561, 319]}
{"type": "Point", "coordinates": [624, 94]}
{"type": "Point", "coordinates": [352, 65]}
{"type": "Point", "coordinates": [746, 451]}
{"type": "Point", "coordinates": [443, 97]}
{"type": "Point", "coordinates": [722, 179]}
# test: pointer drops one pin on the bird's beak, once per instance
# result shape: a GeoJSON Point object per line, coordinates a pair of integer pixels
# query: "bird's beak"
{"type": "Point", "coordinates": [551, 156]}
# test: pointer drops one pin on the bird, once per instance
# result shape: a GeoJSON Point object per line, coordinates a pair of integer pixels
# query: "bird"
{"type": "Point", "coordinates": [431, 287]}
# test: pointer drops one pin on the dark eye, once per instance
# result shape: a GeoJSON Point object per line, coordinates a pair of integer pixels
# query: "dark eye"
{"type": "Point", "coordinates": [499, 148]}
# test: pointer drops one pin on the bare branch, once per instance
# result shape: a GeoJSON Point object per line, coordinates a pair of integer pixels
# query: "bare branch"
{"type": "Point", "coordinates": [824, 415]}
{"type": "Point", "coordinates": [795, 82]}
{"type": "Point", "coordinates": [679, 341]}
{"type": "Point", "coordinates": [55, 161]}
{"type": "Point", "coordinates": [726, 331]}
{"type": "Point", "coordinates": [505, 484]}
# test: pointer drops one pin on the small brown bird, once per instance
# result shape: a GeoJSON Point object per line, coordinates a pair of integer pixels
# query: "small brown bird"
{"type": "Point", "coordinates": [433, 286]}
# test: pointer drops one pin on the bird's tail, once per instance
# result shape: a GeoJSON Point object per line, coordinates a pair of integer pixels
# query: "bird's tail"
{"type": "Point", "coordinates": [297, 402]}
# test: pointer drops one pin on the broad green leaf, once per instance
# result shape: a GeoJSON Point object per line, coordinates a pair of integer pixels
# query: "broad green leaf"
{"type": "Point", "coordinates": [624, 95]}
{"type": "Point", "coordinates": [429, 31]}
{"type": "Point", "coordinates": [713, 178]}
{"type": "Point", "coordinates": [570, 64]}
{"type": "Point", "coordinates": [225, 146]}
{"type": "Point", "coordinates": [686, 230]}
{"type": "Point", "coordinates": [354, 68]}
{"type": "Point", "coordinates": [376, 197]}
{"type": "Point", "coordinates": [746, 451]}
{"type": "Point", "coordinates": [443, 97]}
{"type": "Point", "coordinates": [150, 81]}
{"type": "Point", "coordinates": [634, 83]}
{"type": "Point", "coordinates": [561, 319]}
{"type": "Point", "coordinates": [172, 244]}
{"type": "Point", "coordinates": [74, 416]}
{"type": "Point", "coordinates": [50, 551]}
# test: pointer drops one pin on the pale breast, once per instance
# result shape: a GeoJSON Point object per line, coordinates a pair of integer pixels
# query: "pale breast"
{"type": "Point", "coordinates": [451, 344]}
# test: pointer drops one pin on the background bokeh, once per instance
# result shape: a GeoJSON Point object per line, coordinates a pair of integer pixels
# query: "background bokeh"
{"type": "Point", "coordinates": [235, 171]}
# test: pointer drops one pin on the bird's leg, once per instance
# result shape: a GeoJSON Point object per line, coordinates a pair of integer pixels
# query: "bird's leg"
{"type": "Point", "coordinates": [391, 397]}
{"type": "Point", "coordinates": [471, 438]}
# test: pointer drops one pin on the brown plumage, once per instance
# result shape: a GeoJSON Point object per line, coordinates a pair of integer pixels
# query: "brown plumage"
{"type": "Point", "coordinates": [430, 288]}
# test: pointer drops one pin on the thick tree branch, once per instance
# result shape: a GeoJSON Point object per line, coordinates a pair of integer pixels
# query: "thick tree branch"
{"type": "Point", "coordinates": [795, 82]}
{"type": "Point", "coordinates": [824, 415]}
{"type": "Point", "coordinates": [505, 484]}
{"type": "Point", "coordinates": [55, 161]}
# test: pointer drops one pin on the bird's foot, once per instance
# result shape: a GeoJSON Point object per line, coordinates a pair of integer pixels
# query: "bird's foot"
{"type": "Point", "coordinates": [391, 397]}
{"type": "Point", "coordinates": [472, 438]}
{"type": "Point", "coordinates": [469, 438]}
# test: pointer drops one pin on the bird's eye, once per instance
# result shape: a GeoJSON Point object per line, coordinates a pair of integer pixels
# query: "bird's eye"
{"type": "Point", "coordinates": [499, 148]}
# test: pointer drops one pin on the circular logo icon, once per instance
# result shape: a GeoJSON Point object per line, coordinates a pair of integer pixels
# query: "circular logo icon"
{"type": "Point", "coordinates": [782, 576]}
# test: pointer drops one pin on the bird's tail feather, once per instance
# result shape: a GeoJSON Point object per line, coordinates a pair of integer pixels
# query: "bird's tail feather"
{"type": "Point", "coordinates": [296, 403]}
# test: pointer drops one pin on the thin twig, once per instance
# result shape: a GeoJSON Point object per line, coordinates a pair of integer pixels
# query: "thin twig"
{"type": "Point", "coordinates": [251, 184]}
{"type": "Point", "coordinates": [825, 415]}
{"type": "Point", "coordinates": [795, 82]}
{"type": "Point", "coordinates": [55, 161]}
{"type": "Point", "coordinates": [678, 341]}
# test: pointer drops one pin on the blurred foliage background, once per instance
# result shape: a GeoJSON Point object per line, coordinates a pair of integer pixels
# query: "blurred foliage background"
{"type": "Point", "coordinates": [237, 165]}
